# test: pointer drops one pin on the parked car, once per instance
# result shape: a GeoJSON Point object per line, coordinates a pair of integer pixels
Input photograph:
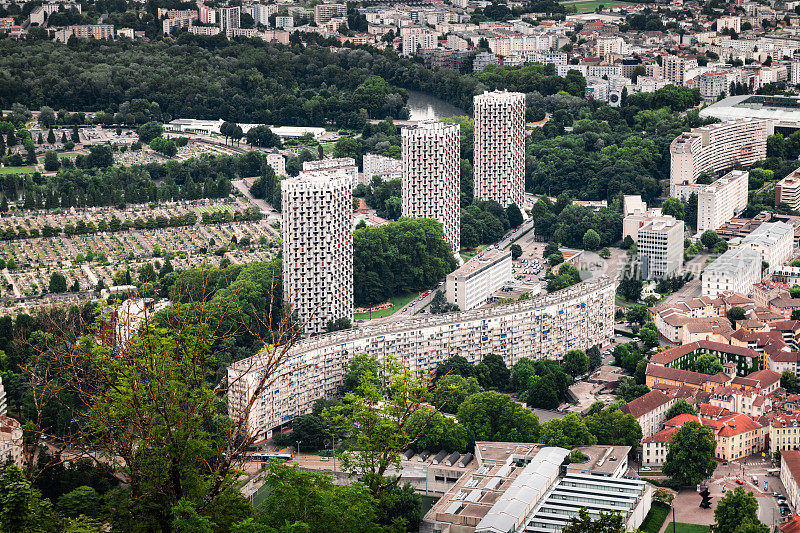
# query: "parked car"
{"type": "Point", "coordinates": [739, 482]}
{"type": "Point", "coordinates": [646, 469]}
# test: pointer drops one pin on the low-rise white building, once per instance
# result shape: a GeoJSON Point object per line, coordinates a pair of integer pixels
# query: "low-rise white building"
{"type": "Point", "coordinates": [342, 166]}
{"type": "Point", "coordinates": [735, 270]}
{"type": "Point", "coordinates": [388, 168]}
{"type": "Point", "coordinates": [471, 285]}
{"type": "Point", "coordinates": [773, 240]}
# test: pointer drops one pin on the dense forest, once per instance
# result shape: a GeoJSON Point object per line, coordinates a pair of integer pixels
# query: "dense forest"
{"type": "Point", "coordinates": [243, 81]}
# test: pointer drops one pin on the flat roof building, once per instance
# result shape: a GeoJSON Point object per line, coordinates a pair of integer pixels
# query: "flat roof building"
{"type": "Point", "coordinates": [773, 240]}
{"type": "Point", "coordinates": [782, 111]}
{"type": "Point", "coordinates": [718, 202]}
{"type": "Point", "coordinates": [736, 270]}
{"type": "Point", "coordinates": [471, 285]}
{"type": "Point", "coordinates": [660, 245]}
{"type": "Point", "coordinates": [545, 327]}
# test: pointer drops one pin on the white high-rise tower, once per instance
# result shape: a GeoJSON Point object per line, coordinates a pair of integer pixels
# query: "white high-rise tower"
{"type": "Point", "coordinates": [431, 176]}
{"type": "Point", "coordinates": [499, 155]}
{"type": "Point", "coordinates": [318, 247]}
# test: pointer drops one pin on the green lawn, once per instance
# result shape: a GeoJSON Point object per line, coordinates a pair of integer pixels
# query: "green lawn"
{"type": "Point", "coordinates": [655, 518]}
{"type": "Point", "coordinates": [687, 528]}
{"type": "Point", "coordinates": [590, 6]}
{"type": "Point", "coordinates": [398, 302]}
{"type": "Point", "coordinates": [67, 154]}
{"type": "Point", "coordinates": [17, 170]}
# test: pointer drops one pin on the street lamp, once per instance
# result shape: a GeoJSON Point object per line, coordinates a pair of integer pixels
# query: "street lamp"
{"type": "Point", "coordinates": [299, 442]}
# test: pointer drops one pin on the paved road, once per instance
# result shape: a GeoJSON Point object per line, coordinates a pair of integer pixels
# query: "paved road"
{"type": "Point", "coordinates": [261, 205]}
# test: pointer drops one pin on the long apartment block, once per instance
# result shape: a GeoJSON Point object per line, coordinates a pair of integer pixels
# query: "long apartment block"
{"type": "Point", "coordinates": [541, 328]}
{"type": "Point", "coordinates": [715, 148]}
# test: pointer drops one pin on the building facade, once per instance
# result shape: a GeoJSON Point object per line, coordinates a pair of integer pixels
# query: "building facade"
{"type": "Point", "coordinates": [660, 244]}
{"type": "Point", "coordinates": [229, 18]}
{"type": "Point", "coordinates": [735, 270]}
{"type": "Point", "coordinates": [432, 177]}
{"type": "Point", "coordinates": [278, 163]}
{"type": "Point", "coordinates": [341, 165]}
{"type": "Point", "coordinates": [773, 240]}
{"type": "Point", "coordinates": [387, 168]}
{"type": "Point", "coordinates": [471, 285]}
{"type": "Point", "coordinates": [546, 327]}
{"type": "Point", "coordinates": [715, 148]}
{"type": "Point", "coordinates": [722, 200]}
{"type": "Point", "coordinates": [787, 191]}
{"type": "Point", "coordinates": [318, 247]}
{"type": "Point", "coordinates": [499, 154]}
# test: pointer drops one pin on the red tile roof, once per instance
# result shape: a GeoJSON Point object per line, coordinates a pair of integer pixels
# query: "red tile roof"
{"type": "Point", "coordinates": [644, 404]}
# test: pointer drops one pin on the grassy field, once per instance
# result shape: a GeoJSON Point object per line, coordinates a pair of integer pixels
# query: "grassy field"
{"type": "Point", "coordinates": [687, 528]}
{"type": "Point", "coordinates": [399, 302]}
{"type": "Point", "coordinates": [655, 518]}
{"type": "Point", "coordinates": [590, 6]}
{"type": "Point", "coordinates": [67, 154]}
{"type": "Point", "coordinates": [17, 170]}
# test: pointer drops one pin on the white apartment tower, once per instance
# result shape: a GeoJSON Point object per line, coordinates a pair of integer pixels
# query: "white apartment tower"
{"type": "Point", "coordinates": [318, 247]}
{"type": "Point", "coordinates": [229, 18]}
{"type": "Point", "coordinates": [431, 176]}
{"type": "Point", "coordinates": [660, 244]}
{"type": "Point", "coordinates": [499, 155]}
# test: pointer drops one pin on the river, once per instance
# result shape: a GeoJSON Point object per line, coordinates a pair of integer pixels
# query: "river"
{"type": "Point", "coordinates": [424, 106]}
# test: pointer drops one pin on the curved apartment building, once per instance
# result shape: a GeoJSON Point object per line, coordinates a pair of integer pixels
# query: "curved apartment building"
{"type": "Point", "coordinates": [716, 147]}
{"type": "Point", "coordinates": [546, 327]}
{"type": "Point", "coordinates": [432, 176]}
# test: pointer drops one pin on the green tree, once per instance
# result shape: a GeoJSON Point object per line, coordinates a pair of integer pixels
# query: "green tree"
{"type": "Point", "coordinates": [496, 417]}
{"type": "Point", "coordinates": [629, 390]}
{"type": "Point", "coordinates": [735, 314]}
{"type": "Point", "coordinates": [736, 508]}
{"type": "Point", "coordinates": [22, 508]}
{"type": "Point", "coordinates": [613, 427]}
{"type": "Point", "coordinates": [521, 374]}
{"type": "Point", "coordinates": [375, 417]}
{"type": "Point", "coordinates": [674, 207]}
{"type": "Point", "coordinates": [51, 162]}
{"type": "Point", "coordinates": [636, 315]}
{"type": "Point", "coordinates": [149, 131]}
{"type": "Point", "coordinates": [690, 458]}
{"type": "Point", "coordinates": [649, 335]}
{"type": "Point", "coordinates": [360, 365]}
{"type": "Point", "coordinates": [47, 117]}
{"type": "Point", "coordinates": [680, 407]}
{"type": "Point", "coordinates": [51, 137]}
{"type": "Point", "coordinates": [296, 496]}
{"type": "Point", "coordinates": [591, 240]}
{"type": "Point", "coordinates": [452, 390]}
{"type": "Point", "coordinates": [595, 357]}
{"type": "Point", "coordinates": [567, 432]}
{"type": "Point", "coordinates": [575, 362]}
{"type": "Point", "coordinates": [707, 364]}
{"type": "Point", "coordinates": [58, 283]}
{"type": "Point", "coordinates": [492, 372]}
{"type": "Point", "coordinates": [789, 380]}
{"type": "Point", "coordinates": [431, 430]}
{"type": "Point", "coordinates": [457, 364]}
{"type": "Point", "coordinates": [514, 215]}
{"type": "Point", "coordinates": [81, 501]}
{"type": "Point", "coordinates": [605, 523]}
{"type": "Point", "coordinates": [516, 251]}
{"type": "Point", "coordinates": [709, 238]}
